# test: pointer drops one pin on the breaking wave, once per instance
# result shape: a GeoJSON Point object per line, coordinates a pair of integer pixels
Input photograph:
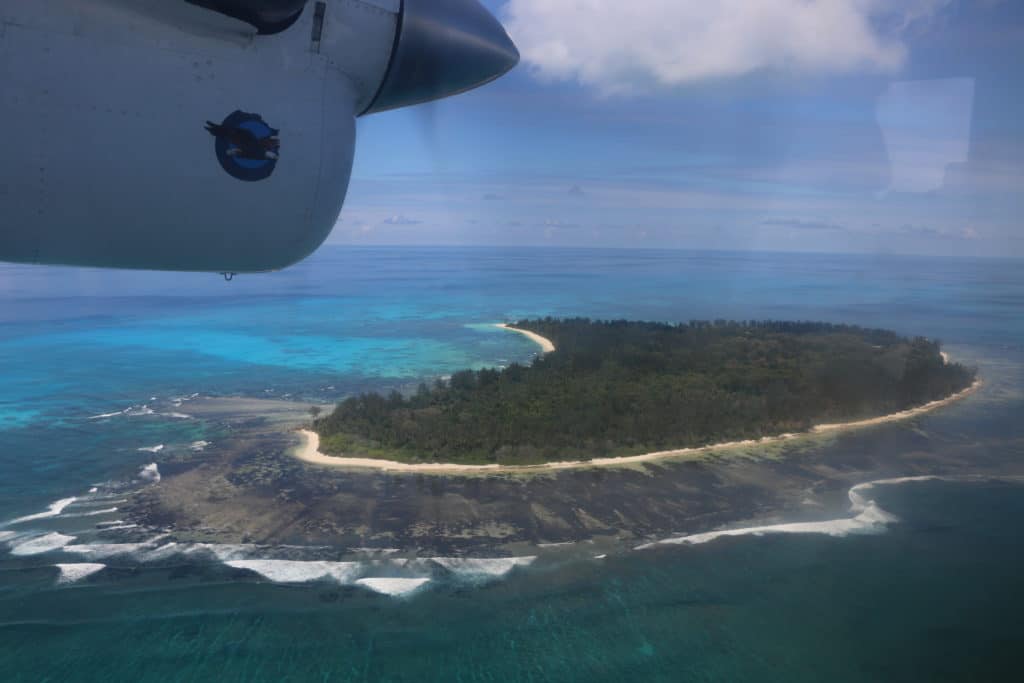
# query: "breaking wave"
{"type": "Point", "coordinates": [378, 570]}
{"type": "Point", "coordinates": [103, 551]}
{"type": "Point", "coordinates": [145, 409]}
{"type": "Point", "coordinates": [53, 510]}
{"type": "Point", "coordinates": [131, 411]}
{"type": "Point", "coordinates": [392, 586]}
{"type": "Point", "coordinates": [70, 573]}
{"type": "Point", "coordinates": [150, 473]}
{"type": "Point", "coordinates": [482, 568]}
{"type": "Point", "coordinates": [297, 571]}
{"type": "Point", "coordinates": [869, 518]}
{"type": "Point", "coordinates": [37, 545]}
{"type": "Point", "coordinates": [94, 513]}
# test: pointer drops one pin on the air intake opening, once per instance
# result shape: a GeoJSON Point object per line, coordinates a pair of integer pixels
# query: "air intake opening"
{"type": "Point", "coordinates": [268, 16]}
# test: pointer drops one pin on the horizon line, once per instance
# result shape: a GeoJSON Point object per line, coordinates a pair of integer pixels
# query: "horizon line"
{"type": "Point", "coordinates": [555, 247]}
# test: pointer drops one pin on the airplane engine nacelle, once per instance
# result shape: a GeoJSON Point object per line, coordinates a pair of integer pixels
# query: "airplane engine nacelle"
{"type": "Point", "coordinates": [193, 135]}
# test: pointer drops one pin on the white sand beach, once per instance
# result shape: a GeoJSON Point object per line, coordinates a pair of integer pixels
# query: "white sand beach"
{"type": "Point", "coordinates": [546, 346]}
{"type": "Point", "coordinates": [309, 450]}
{"type": "Point", "coordinates": [902, 415]}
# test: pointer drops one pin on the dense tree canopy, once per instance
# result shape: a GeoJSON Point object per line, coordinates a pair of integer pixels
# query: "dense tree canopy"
{"type": "Point", "coordinates": [619, 388]}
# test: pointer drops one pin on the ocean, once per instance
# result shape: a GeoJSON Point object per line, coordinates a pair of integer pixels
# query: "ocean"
{"type": "Point", "coordinates": [98, 370]}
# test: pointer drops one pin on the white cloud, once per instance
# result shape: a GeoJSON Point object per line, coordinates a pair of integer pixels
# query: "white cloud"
{"type": "Point", "coordinates": [620, 47]}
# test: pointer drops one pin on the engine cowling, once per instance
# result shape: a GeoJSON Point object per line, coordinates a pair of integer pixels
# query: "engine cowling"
{"type": "Point", "coordinates": [188, 140]}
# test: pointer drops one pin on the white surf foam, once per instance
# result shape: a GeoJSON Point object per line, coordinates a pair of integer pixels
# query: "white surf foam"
{"type": "Point", "coordinates": [93, 513]}
{"type": "Point", "coordinates": [131, 411]}
{"type": "Point", "coordinates": [153, 551]}
{"type": "Point", "coordinates": [393, 587]}
{"type": "Point", "coordinates": [103, 550]}
{"type": "Point", "coordinates": [151, 449]}
{"type": "Point", "coordinates": [198, 446]}
{"type": "Point", "coordinates": [898, 480]}
{"type": "Point", "coordinates": [95, 501]}
{"type": "Point", "coordinates": [483, 567]}
{"type": "Point", "coordinates": [8, 535]}
{"type": "Point", "coordinates": [100, 551]}
{"type": "Point", "coordinates": [162, 552]}
{"type": "Point", "coordinates": [222, 551]}
{"type": "Point", "coordinates": [69, 573]}
{"type": "Point", "coordinates": [296, 571]}
{"type": "Point", "coordinates": [150, 473]}
{"type": "Point", "coordinates": [38, 545]}
{"type": "Point", "coordinates": [104, 416]}
{"type": "Point", "coordinates": [869, 519]}
{"type": "Point", "coordinates": [872, 520]}
{"type": "Point", "coordinates": [55, 508]}
{"type": "Point", "coordinates": [178, 416]}
{"type": "Point", "coordinates": [93, 490]}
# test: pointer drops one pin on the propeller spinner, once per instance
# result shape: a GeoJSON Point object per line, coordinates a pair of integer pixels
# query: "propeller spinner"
{"type": "Point", "coordinates": [444, 47]}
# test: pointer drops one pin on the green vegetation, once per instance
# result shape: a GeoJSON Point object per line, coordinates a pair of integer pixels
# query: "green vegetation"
{"type": "Point", "coordinates": [619, 388]}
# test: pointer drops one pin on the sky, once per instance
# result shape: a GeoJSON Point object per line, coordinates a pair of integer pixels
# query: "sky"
{"type": "Point", "coordinates": [861, 126]}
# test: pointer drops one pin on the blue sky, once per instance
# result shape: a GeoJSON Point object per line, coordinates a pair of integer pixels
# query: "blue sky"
{"type": "Point", "coordinates": [837, 125]}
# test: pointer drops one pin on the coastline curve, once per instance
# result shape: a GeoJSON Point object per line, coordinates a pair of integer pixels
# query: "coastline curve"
{"type": "Point", "coordinates": [546, 345]}
{"type": "Point", "coordinates": [309, 449]}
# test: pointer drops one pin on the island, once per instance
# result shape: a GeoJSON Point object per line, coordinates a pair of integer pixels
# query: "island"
{"type": "Point", "coordinates": [758, 423]}
{"type": "Point", "coordinates": [614, 389]}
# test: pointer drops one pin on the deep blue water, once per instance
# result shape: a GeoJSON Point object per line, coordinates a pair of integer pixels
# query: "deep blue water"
{"type": "Point", "coordinates": [936, 597]}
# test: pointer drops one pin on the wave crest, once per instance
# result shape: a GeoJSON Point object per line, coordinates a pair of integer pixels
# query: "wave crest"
{"type": "Point", "coordinates": [870, 518]}
{"type": "Point", "coordinates": [70, 573]}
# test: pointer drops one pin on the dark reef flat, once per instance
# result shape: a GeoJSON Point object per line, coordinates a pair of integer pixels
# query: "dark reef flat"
{"type": "Point", "coordinates": [248, 488]}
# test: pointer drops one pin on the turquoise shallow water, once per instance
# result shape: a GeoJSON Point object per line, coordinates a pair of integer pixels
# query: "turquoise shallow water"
{"type": "Point", "coordinates": [933, 598]}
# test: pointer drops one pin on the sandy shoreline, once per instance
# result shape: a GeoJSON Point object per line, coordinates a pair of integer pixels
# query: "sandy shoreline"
{"type": "Point", "coordinates": [902, 415]}
{"type": "Point", "coordinates": [309, 450]}
{"type": "Point", "coordinates": [546, 346]}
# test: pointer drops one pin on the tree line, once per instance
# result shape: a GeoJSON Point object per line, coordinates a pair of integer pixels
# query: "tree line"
{"type": "Point", "coordinates": [620, 387]}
